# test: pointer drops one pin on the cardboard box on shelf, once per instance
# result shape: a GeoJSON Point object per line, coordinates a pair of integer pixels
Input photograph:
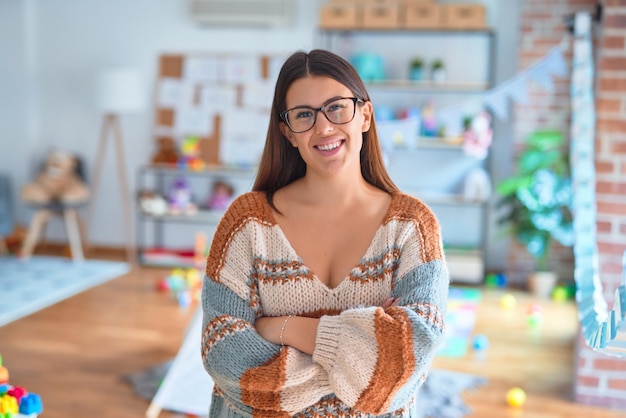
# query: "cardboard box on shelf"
{"type": "Point", "coordinates": [463, 16]}
{"type": "Point", "coordinates": [381, 16]}
{"type": "Point", "coordinates": [339, 15]}
{"type": "Point", "coordinates": [422, 16]}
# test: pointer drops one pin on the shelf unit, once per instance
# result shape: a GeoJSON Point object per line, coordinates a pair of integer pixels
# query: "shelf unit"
{"type": "Point", "coordinates": [441, 156]}
{"type": "Point", "coordinates": [150, 228]}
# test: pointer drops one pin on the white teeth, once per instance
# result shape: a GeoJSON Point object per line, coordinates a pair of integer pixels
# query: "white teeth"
{"type": "Point", "coordinates": [329, 147]}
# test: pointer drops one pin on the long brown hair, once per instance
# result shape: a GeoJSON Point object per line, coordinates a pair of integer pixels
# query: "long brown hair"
{"type": "Point", "coordinates": [280, 162]}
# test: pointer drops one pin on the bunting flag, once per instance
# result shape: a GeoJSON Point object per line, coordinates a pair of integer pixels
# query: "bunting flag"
{"type": "Point", "coordinates": [603, 330]}
{"type": "Point", "coordinates": [497, 99]}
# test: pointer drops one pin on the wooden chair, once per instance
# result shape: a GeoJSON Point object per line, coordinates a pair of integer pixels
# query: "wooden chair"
{"type": "Point", "coordinates": [69, 212]}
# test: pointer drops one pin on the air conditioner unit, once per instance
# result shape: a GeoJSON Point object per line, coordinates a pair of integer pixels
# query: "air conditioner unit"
{"type": "Point", "coordinates": [270, 13]}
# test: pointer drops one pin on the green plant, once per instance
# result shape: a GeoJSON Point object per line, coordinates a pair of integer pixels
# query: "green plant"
{"type": "Point", "coordinates": [437, 64]}
{"type": "Point", "coordinates": [417, 63]}
{"type": "Point", "coordinates": [537, 199]}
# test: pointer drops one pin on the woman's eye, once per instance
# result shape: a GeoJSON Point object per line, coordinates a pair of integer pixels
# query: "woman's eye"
{"type": "Point", "coordinates": [335, 107]}
{"type": "Point", "coordinates": [304, 114]}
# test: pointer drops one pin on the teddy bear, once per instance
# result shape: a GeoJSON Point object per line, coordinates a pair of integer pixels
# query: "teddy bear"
{"type": "Point", "coordinates": [166, 152]}
{"type": "Point", "coordinates": [60, 180]}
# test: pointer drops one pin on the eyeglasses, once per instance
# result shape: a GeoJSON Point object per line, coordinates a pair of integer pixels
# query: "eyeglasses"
{"type": "Point", "coordinates": [338, 111]}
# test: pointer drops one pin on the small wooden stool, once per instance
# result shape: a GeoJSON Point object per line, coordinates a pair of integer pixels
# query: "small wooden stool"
{"type": "Point", "coordinates": [69, 212]}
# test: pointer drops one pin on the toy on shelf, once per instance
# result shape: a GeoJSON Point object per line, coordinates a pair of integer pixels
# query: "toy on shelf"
{"type": "Point", "coordinates": [190, 154]}
{"type": "Point", "coordinates": [221, 195]}
{"type": "Point", "coordinates": [152, 203]}
{"type": "Point", "coordinates": [166, 152]}
{"type": "Point", "coordinates": [180, 199]}
{"type": "Point", "coordinates": [15, 401]}
{"type": "Point", "coordinates": [429, 126]}
{"type": "Point", "coordinates": [478, 136]}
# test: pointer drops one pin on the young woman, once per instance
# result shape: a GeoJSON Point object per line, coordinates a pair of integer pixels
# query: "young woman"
{"type": "Point", "coordinates": [325, 287]}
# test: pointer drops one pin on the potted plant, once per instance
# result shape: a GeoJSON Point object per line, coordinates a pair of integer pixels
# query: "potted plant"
{"type": "Point", "coordinates": [438, 71]}
{"type": "Point", "coordinates": [416, 69]}
{"type": "Point", "coordinates": [537, 202]}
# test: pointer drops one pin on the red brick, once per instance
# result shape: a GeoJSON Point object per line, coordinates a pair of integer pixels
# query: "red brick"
{"type": "Point", "coordinates": [619, 147]}
{"type": "Point", "coordinates": [622, 229]}
{"type": "Point", "coordinates": [588, 381]}
{"type": "Point", "coordinates": [605, 167]}
{"type": "Point", "coordinates": [606, 187]}
{"type": "Point", "coordinates": [604, 227]}
{"type": "Point", "coordinates": [613, 42]}
{"type": "Point", "coordinates": [612, 63]}
{"type": "Point", "coordinates": [610, 364]}
{"type": "Point", "coordinates": [619, 384]}
{"type": "Point", "coordinates": [613, 84]}
{"type": "Point", "coordinates": [614, 21]}
{"type": "Point", "coordinates": [611, 268]}
{"type": "Point", "coordinates": [606, 125]}
{"type": "Point", "coordinates": [608, 105]}
{"type": "Point", "coordinates": [614, 249]}
{"type": "Point", "coordinates": [608, 3]}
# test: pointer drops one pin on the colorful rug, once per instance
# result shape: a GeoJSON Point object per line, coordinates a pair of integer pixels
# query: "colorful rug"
{"type": "Point", "coordinates": [460, 320]}
{"type": "Point", "coordinates": [29, 286]}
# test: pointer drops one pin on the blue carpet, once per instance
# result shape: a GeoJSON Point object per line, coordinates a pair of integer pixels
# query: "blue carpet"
{"type": "Point", "coordinates": [29, 286]}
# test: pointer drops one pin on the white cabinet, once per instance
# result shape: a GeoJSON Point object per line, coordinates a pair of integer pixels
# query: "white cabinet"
{"type": "Point", "coordinates": [167, 239]}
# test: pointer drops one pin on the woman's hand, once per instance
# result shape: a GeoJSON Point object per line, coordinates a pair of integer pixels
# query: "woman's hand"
{"type": "Point", "coordinates": [390, 302]}
{"type": "Point", "coordinates": [269, 327]}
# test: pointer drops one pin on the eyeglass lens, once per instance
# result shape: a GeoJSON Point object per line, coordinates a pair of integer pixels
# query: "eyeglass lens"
{"type": "Point", "coordinates": [339, 111]}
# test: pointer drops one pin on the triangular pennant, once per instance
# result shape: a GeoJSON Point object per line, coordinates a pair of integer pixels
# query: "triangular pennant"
{"type": "Point", "coordinates": [540, 75]}
{"type": "Point", "coordinates": [556, 62]}
{"type": "Point", "coordinates": [496, 100]}
{"type": "Point", "coordinates": [518, 89]}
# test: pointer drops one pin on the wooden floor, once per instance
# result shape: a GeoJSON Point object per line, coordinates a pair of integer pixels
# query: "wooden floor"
{"type": "Point", "coordinates": [75, 353]}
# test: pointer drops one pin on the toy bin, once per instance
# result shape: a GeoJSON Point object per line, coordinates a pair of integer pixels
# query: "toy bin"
{"type": "Point", "coordinates": [344, 15]}
{"type": "Point", "coordinates": [381, 15]}
{"type": "Point", "coordinates": [463, 16]}
{"type": "Point", "coordinates": [422, 16]}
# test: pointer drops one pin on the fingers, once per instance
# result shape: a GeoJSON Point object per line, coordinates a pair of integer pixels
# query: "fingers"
{"type": "Point", "coordinates": [390, 302]}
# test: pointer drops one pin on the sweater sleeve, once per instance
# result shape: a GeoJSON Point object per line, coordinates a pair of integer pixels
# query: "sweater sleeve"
{"type": "Point", "coordinates": [377, 358]}
{"type": "Point", "coordinates": [248, 371]}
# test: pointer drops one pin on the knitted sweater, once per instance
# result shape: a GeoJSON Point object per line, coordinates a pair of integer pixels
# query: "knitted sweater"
{"type": "Point", "coordinates": [368, 361]}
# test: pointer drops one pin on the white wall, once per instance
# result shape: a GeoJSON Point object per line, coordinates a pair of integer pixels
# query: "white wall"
{"type": "Point", "coordinates": [51, 52]}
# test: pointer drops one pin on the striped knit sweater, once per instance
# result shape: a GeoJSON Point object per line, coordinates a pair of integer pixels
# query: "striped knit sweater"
{"type": "Point", "coordinates": [368, 361]}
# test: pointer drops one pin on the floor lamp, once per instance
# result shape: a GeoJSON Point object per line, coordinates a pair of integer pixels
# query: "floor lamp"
{"type": "Point", "coordinates": [120, 92]}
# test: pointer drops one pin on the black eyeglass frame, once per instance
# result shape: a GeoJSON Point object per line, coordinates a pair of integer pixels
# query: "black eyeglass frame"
{"type": "Point", "coordinates": [284, 118]}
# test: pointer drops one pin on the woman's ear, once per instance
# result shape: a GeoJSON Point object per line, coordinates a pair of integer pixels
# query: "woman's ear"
{"type": "Point", "coordinates": [368, 114]}
{"type": "Point", "coordinates": [288, 134]}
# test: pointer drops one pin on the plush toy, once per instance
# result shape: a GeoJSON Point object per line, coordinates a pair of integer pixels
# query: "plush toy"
{"type": "Point", "coordinates": [221, 195]}
{"type": "Point", "coordinates": [166, 152]}
{"type": "Point", "coordinates": [478, 136]}
{"type": "Point", "coordinates": [180, 199]}
{"type": "Point", "coordinates": [59, 181]}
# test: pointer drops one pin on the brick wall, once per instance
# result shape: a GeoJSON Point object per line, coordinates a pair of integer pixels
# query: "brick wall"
{"type": "Point", "coordinates": [600, 380]}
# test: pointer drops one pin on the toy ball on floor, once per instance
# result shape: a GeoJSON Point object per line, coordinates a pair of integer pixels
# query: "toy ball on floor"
{"type": "Point", "coordinates": [515, 397]}
{"type": "Point", "coordinates": [480, 342]}
{"type": "Point", "coordinates": [507, 301]}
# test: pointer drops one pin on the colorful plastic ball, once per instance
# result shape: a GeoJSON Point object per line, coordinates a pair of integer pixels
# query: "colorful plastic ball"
{"type": "Point", "coordinates": [480, 342]}
{"type": "Point", "coordinates": [501, 280]}
{"type": "Point", "coordinates": [515, 397]}
{"type": "Point", "coordinates": [491, 280]}
{"type": "Point", "coordinates": [560, 294]}
{"type": "Point", "coordinates": [508, 301]}
{"type": "Point", "coordinates": [534, 319]}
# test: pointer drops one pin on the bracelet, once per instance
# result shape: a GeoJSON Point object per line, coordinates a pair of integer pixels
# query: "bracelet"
{"type": "Point", "coordinates": [282, 344]}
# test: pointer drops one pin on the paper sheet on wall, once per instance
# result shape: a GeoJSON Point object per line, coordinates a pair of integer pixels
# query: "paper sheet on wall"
{"type": "Point", "coordinates": [193, 120]}
{"type": "Point", "coordinates": [170, 92]}
{"type": "Point", "coordinates": [243, 136]}
{"type": "Point", "coordinates": [242, 70]}
{"type": "Point", "coordinates": [201, 69]}
{"type": "Point", "coordinates": [259, 94]}
{"type": "Point", "coordinates": [216, 96]}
